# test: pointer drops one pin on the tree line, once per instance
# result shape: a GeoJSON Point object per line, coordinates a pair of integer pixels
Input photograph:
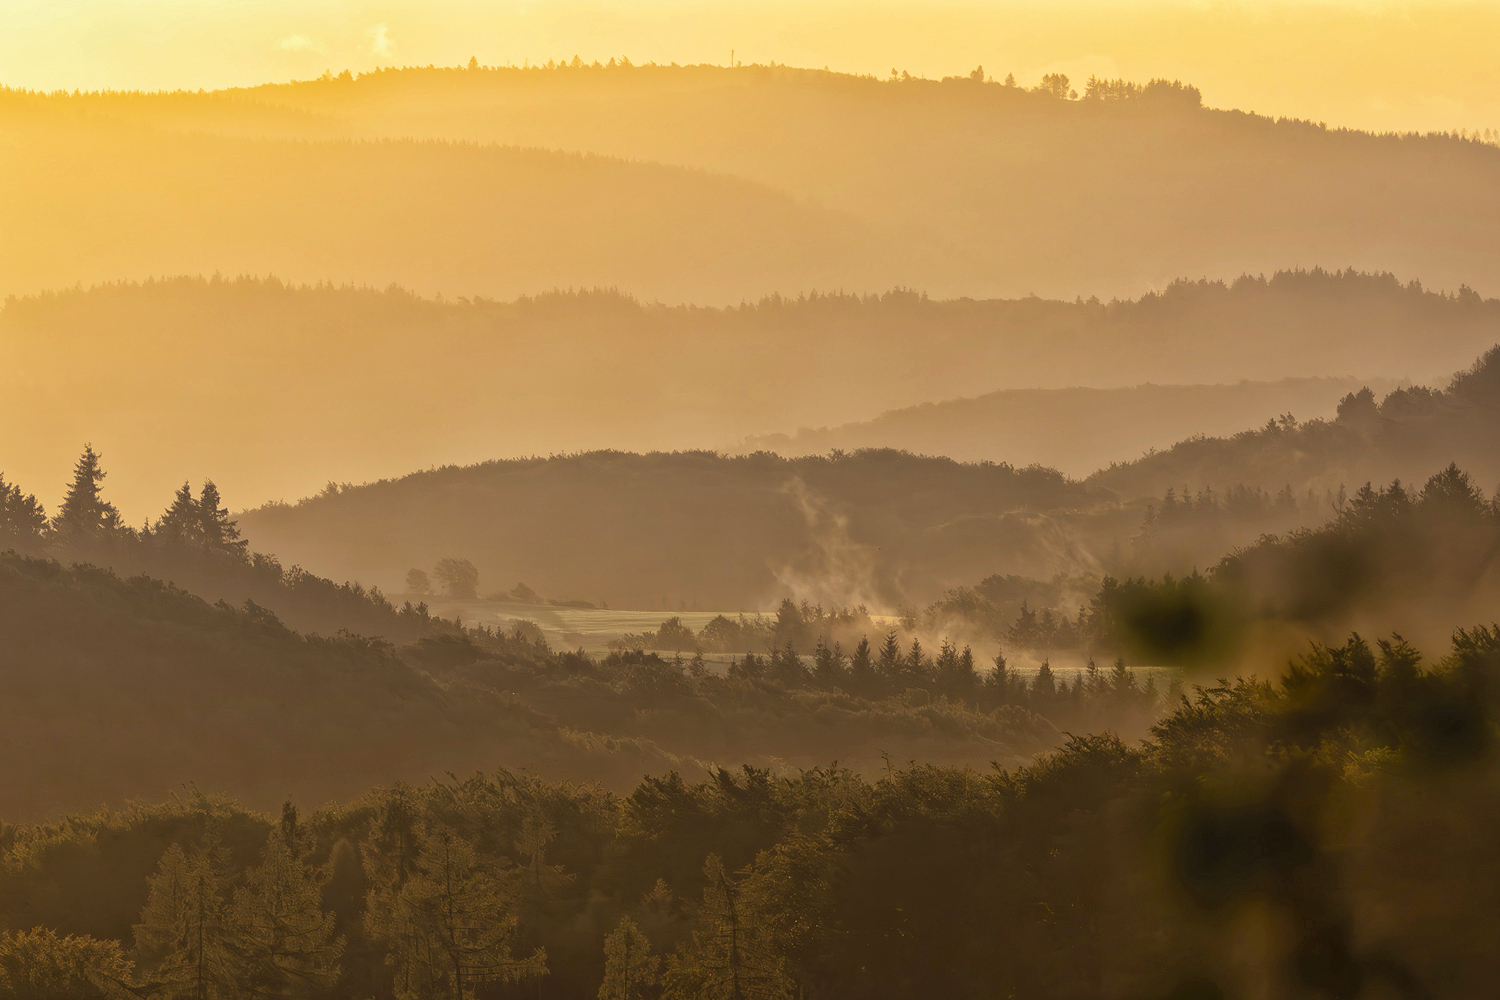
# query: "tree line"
{"type": "Point", "coordinates": [1103, 868]}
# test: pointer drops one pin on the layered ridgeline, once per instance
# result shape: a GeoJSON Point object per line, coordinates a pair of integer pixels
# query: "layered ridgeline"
{"type": "Point", "coordinates": [1075, 430]}
{"type": "Point", "coordinates": [1340, 815]}
{"type": "Point", "coordinates": [773, 179]}
{"type": "Point", "coordinates": [278, 389]}
{"type": "Point", "coordinates": [174, 691]}
{"type": "Point", "coordinates": [882, 527]}
{"type": "Point", "coordinates": [1401, 434]}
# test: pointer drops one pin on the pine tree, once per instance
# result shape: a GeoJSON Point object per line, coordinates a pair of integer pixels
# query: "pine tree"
{"type": "Point", "coordinates": [184, 938]}
{"type": "Point", "coordinates": [217, 532]}
{"type": "Point", "coordinates": [629, 966]}
{"type": "Point", "coordinates": [23, 522]}
{"type": "Point", "coordinates": [180, 525]}
{"type": "Point", "coordinates": [862, 668]}
{"type": "Point", "coordinates": [85, 514]}
{"type": "Point", "coordinates": [892, 663]}
{"type": "Point", "coordinates": [286, 942]}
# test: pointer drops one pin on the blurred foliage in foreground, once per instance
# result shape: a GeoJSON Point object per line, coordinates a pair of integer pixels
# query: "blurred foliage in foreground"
{"type": "Point", "coordinates": [1327, 835]}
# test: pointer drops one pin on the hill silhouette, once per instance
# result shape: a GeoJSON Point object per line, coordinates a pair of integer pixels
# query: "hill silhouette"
{"type": "Point", "coordinates": [1076, 430]}
{"type": "Point", "coordinates": [1126, 188]}
{"type": "Point", "coordinates": [293, 386]}
{"type": "Point", "coordinates": [1399, 436]}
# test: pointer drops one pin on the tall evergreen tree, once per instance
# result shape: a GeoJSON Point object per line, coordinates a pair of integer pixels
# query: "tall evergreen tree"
{"type": "Point", "coordinates": [862, 667]}
{"type": "Point", "coordinates": [85, 515]}
{"type": "Point", "coordinates": [892, 664]}
{"type": "Point", "coordinates": [23, 522]}
{"type": "Point", "coordinates": [181, 524]}
{"type": "Point", "coordinates": [218, 532]}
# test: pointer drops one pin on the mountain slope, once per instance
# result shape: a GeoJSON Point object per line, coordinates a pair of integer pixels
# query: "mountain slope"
{"type": "Point", "coordinates": [88, 199]}
{"type": "Point", "coordinates": [974, 188]}
{"type": "Point", "coordinates": [275, 390]}
{"type": "Point", "coordinates": [1075, 430]}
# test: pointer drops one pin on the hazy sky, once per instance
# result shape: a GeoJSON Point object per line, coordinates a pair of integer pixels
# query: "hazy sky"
{"type": "Point", "coordinates": [1408, 65]}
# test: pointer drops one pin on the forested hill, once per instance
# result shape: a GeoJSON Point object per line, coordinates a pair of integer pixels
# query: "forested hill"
{"type": "Point", "coordinates": [357, 375]}
{"type": "Point", "coordinates": [180, 695]}
{"type": "Point", "coordinates": [1077, 430]}
{"type": "Point", "coordinates": [670, 530]}
{"type": "Point", "coordinates": [1401, 435]}
{"type": "Point", "coordinates": [1125, 188]}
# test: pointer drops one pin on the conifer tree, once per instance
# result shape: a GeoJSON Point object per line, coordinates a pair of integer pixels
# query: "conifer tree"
{"type": "Point", "coordinates": [85, 514]}
{"type": "Point", "coordinates": [23, 522]}
{"type": "Point", "coordinates": [729, 956]}
{"type": "Point", "coordinates": [892, 665]}
{"type": "Point", "coordinates": [184, 938]}
{"type": "Point", "coordinates": [862, 667]}
{"type": "Point", "coordinates": [286, 942]}
{"type": "Point", "coordinates": [181, 523]}
{"type": "Point", "coordinates": [452, 924]}
{"type": "Point", "coordinates": [629, 966]}
{"type": "Point", "coordinates": [218, 532]}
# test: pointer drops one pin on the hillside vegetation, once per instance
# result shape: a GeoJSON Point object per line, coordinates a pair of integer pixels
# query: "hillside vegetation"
{"type": "Point", "coordinates": [313, 384]}
{"type": "Point", "coordinates": [1126, 188]}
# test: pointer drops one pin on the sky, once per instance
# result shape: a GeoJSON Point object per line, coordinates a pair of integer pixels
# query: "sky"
{"type": "Point", "coordinates": [1421, 65]}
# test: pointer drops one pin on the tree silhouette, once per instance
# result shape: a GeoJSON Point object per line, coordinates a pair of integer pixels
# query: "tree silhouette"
{"type": "Point", "coordinates": [85, 514]}
{"type": "Point", "coordinates": [629, 966]}
{"type": "Point", "coordinates": [23, 522]}
{"type": "Point", "coordinates": [458, 577]}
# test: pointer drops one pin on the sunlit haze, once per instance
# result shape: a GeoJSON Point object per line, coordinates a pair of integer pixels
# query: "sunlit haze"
{"type": "Point", "coordinates": [716, 500]}
{"type": "Point", "coordinates": [1422, 64]}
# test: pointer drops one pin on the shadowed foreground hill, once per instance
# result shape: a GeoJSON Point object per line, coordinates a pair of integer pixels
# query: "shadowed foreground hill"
{"type": "Point", "coordinates": [318, 384]}
{"type": "Point", "coordinates": [1127, 188]}
{"type": "Point", "coordinates": [114, 689]}
{"type": "Point", "coordinates": [714, 531]}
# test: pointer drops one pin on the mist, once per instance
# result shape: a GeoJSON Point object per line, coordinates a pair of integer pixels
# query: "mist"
{"type": "Point", "coordinates": [742, 503]}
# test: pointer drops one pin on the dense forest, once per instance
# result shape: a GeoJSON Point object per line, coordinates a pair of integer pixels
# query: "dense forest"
{"type": "Point", "coordinates": [742, 533]}
{"type": "Point", "coordinates": [731, 533]}
{"type": "Point", "coordinates": [1303, 838]}
{"type": "Point", "coordinates": [770, 179]}
{"type": "Point", "coordinates": [1400, 436]}
{"type": "Point", "coordinates": [1075, 430]}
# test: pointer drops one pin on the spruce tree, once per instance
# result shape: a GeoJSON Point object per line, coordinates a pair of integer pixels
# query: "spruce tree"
{"type": "Point", "coordinates": [892, 664]}
{"type": "Point", "coordinates": [862, 668]}
{"type": "Point", "coordinates": [180, 524]}
{"type": "Point", "coordinates": [23, 522]}
{"type": "Point", "coordinates": [85, 514]}
{"type": "Point", "coordinates": [218, 532]}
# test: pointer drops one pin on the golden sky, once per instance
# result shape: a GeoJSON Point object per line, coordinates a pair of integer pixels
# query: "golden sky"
{"type": "Point", "coordinates": [1421, 65]}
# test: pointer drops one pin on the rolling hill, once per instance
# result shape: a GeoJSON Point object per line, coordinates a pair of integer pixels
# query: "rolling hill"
{"type": "Point", "coordinates": [960, 187]}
